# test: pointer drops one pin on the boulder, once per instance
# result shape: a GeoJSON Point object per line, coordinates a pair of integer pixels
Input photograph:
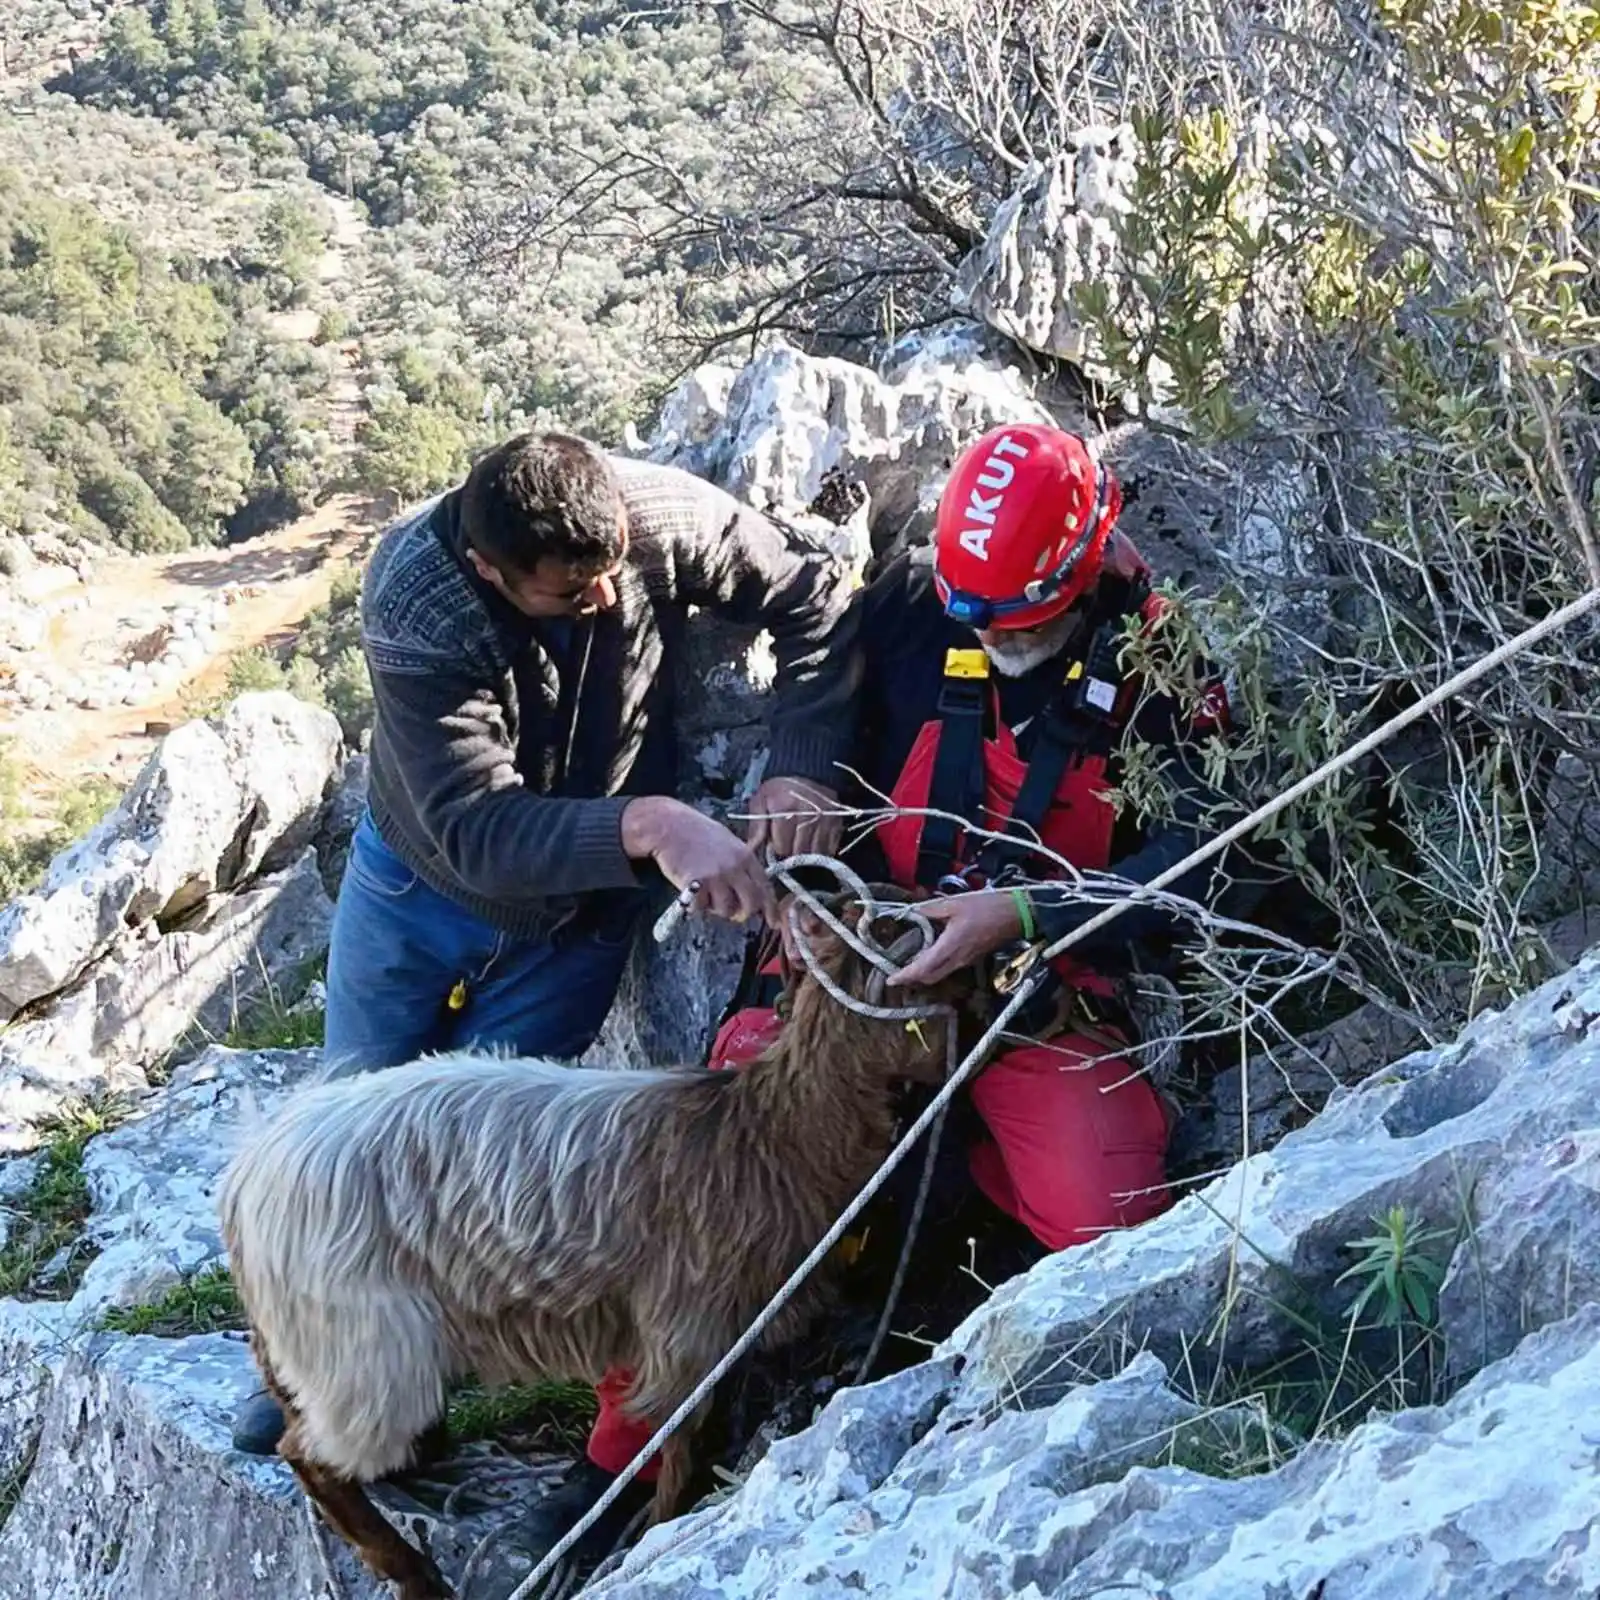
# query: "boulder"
{"type": "Point", "coordinates": [153, 991]}
{"type": "Point", "coordinates": [1113, 1491]}
{"type": "Point", "coordinates": [215, 803]}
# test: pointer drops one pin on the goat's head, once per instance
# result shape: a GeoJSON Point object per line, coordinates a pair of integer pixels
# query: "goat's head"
{"type": "Point", "coordinates": [903, 1047]}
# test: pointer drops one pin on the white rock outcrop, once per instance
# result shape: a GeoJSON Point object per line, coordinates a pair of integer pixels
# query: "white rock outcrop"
{"type": "Point", "coordinates": [784, 428]}
{"type": "Point", "coordinates": [1056, 231]}
{"type": "Point", "coordinates": [211, 805]}
{"type": "Point", "coordinates": [174, 914]}
{"type": "Point", "coordinates": [904, 1491]}
{"type": "Point", "coordinates": [1058, 1444]}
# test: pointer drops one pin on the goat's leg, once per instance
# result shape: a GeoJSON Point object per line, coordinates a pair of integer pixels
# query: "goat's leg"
{"type": "Point", "coordinates": [672, 1482]}
{"type": "Point", "coordinates": [356, 1520]}
{"type": "Point", "coordinates": [679, 1461]}
{"type": "Point", "coordinates": [348, 1511]}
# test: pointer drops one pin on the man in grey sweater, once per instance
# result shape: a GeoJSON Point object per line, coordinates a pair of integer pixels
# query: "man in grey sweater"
{"type": "Point", "coordinates": [521, 634]}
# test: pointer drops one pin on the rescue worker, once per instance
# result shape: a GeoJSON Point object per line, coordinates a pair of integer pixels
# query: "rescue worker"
{"type": "Point", "coordinates": [522, 633]}
{"type": "Point", "coordinates": [990, 689]}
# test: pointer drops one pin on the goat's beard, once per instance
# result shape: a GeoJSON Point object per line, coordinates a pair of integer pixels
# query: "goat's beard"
{"type": "Point", "coordinates": [1017, 653]}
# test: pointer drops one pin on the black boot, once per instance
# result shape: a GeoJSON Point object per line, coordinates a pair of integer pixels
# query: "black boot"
{"type": "Point", "coordinates": [560, 1510]}
{"type": "Point", "coordinates": [258, 1425]}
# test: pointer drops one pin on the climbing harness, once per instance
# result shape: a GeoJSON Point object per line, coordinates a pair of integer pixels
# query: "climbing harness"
{"type": "Point", "coordinates": [1079, 726]}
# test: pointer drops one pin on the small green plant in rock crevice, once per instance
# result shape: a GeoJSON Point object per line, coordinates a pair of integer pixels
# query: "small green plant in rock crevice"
{"type": "Point", "coordinates": [276, 1024]}
{"type": "Point", "coordinates": [208, 1302]}
{"type": "Point", "coordinates": [46, 1255]}
{"type": "Point", "coordinates": [1398, 1273]}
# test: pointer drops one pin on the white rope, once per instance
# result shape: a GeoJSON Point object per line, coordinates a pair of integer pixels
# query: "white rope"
{"type": "Point", "coordinates": [777, 1302]}
{"type": "Point", "coordinates": [1024, 992]}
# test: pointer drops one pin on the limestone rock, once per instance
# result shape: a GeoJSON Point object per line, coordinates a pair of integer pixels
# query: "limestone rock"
{"type": "Point", "coordinates": [791, 425]}
{"type": "Point", "coordinates": [34, 1342]}
{"type": "Point", "coordinates": [974, 1499]}
{"type": "Point", "coordinates": [214, 804]}
{"type": "Point", "coordinates": [285, 756]}
{"type": "Point", "coordinates": [153, 991]}
{"type": "Point", "coordinates": [671, 997]}
{"type": "Point", "coordinates": [799, 435]}
{"type": "Point", "coordinates": [16, 1177]}
{"type": "Point", "coordinates": [152, 1181]}
{"type": "Point", "coordinates": [1057, 230]}
{"type": "Point", "coordinates": [136, 1494]}
{"type": "Point", "coordinates": [1288, 1087]}
{"type": "Point", "coordinates": [340, 817]}
{"type": "Point", "coordinates": [1487, 1496]}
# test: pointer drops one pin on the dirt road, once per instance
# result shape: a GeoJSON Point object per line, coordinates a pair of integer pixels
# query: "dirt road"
{"type": "Point", "coordinates": [132, 648]}
{"type": "Point", "coordinates": [134, 608]}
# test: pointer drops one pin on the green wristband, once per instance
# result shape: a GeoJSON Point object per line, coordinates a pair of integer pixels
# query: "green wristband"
{"type": "Point", "coordinates": [1024, 912]}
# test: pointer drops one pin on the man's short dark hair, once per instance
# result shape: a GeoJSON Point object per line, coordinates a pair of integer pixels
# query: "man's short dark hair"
{"type": "Point", "coordinates": [543, 497]}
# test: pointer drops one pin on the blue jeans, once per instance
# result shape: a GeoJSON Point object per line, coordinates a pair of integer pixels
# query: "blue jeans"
{"type": "Point", "coordinates": [399, 948]}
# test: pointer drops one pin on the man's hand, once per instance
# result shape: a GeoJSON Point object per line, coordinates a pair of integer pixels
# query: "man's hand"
{"type": "Point", "coordinates": [691, 848]}
{"type": "Point", "coordinates": [814, 826]}
{"type": "Point", "coordinates": [974, 925]}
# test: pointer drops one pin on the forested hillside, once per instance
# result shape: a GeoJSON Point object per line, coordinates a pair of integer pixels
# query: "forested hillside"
{"type": "Point", "coordinates": [1343, 259]}
{"type": "Point", "coordinates": [145, 400]}
{"type": "Point", "coordinates": [608, 160]}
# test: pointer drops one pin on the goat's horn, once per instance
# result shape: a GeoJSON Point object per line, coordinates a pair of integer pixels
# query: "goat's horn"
{"type": "Point", "coordinates": [911, 943]}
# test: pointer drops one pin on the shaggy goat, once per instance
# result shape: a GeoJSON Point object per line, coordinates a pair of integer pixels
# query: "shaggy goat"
{"type": "Point", "coordinates": [523, 1220]}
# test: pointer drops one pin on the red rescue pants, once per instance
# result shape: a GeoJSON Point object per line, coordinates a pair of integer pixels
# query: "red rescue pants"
{"type": "Point", "coordinates": [1075, 1145]}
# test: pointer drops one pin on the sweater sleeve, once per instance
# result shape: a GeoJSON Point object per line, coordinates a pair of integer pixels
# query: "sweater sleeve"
{"type": "Point", "coordinates": [445, 730]}
{"type": "Point", "coordinates": [743, 567]}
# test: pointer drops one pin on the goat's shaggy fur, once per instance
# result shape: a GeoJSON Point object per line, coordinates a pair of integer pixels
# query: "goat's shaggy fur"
{"type": "Point", "coordinates": [523, 1219]}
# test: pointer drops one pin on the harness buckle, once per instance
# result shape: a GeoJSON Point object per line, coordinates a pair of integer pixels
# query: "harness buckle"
{"type": "Point", "coordinates": [965, 664]}
{"type": "Point", "coordinates": [961, 689]}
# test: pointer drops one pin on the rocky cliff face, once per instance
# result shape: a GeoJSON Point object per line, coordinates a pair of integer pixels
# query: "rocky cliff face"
{"type": "Point", "coordinates": [1183, 1411]}
{"type": "Point", "coordinates": [1129, 1418]}
{"type": "Point", "coordinates": [1114, 1422]}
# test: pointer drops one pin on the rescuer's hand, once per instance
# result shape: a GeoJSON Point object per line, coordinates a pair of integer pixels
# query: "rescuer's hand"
{"type": "Point", "coordinates": [971, 927]}
{"type": "Point", "coordinates": [692, 849]}
{"type": "Point", "coordinates": [813, 824]}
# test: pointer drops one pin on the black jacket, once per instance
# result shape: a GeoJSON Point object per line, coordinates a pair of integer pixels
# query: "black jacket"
{"type": "Point", "coordinates": [901, 641]}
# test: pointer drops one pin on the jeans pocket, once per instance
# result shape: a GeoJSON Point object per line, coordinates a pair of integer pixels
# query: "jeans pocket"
{"type": "Point", "coordinates": [376, 867]}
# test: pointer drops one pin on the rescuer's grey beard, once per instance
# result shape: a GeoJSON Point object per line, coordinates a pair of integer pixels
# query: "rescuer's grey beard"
{"type": "Point", "coordinates": [1016, 653]}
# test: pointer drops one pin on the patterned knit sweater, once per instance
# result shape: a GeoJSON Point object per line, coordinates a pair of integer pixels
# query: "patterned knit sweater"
{"type": "Point", "coordinates": [505, 748]}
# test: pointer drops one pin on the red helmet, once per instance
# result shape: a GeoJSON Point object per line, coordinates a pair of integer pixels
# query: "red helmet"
{"type": "Point", "coordinates": [1022, 526]}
